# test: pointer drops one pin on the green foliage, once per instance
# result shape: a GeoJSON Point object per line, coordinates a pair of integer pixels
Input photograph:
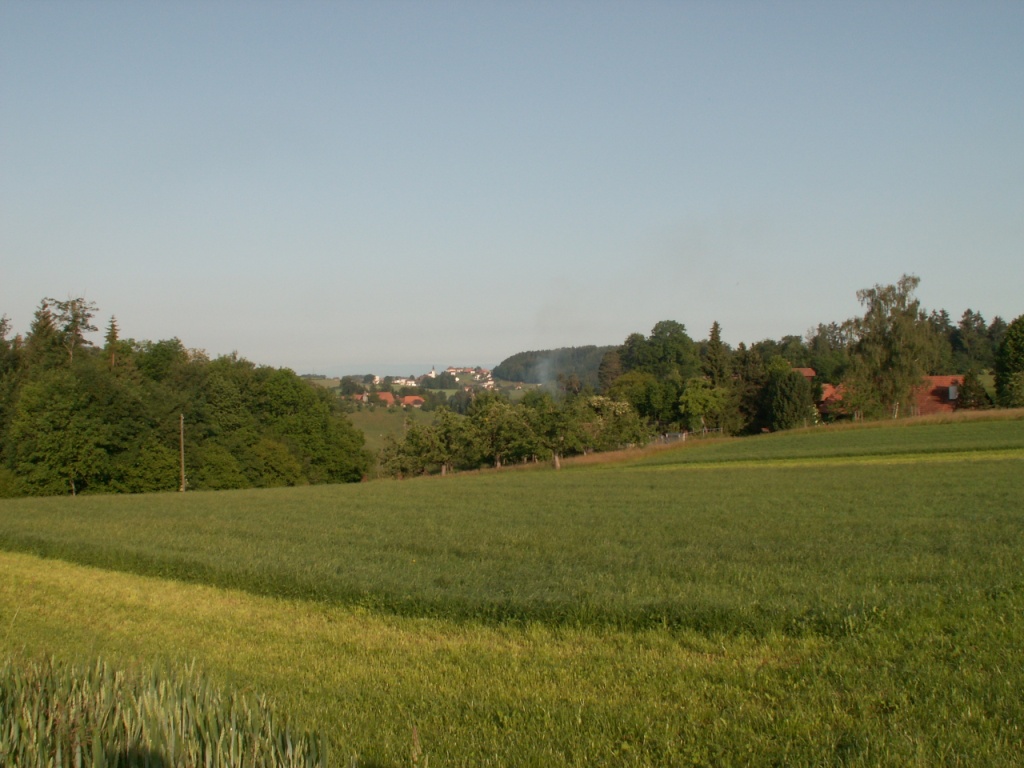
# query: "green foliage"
{"type": "Point", "coordinates": [57, 443]}
{"type": "Point", "coordinates": [213, 466]}
{"type": "Point", "coordinates": [9, 351]}
{"type": "Point", "coordinates": [829, 349]}
{"type": "Point", "coordinates": [558, 431]}
{"type": "Point", "coordinates": [501, 430]}
{"type": "Point", "coordinates": [970, 343]}
{"type": "Point", "coordinates": [72, 320]}
{"type": "Point", "coordinates": [655, 399]}
{"type": "Point", "coordinates": [146, 468]}
{"type": "Point", "coordinates": [649, 372]}
{"type": "Point", "coordinates": [10, 485]}
{"type": "Point", "coordinates": [158, 360]}
{"type": "Point", "coordinates": [972, 394]}
{"type": "Point", "coordinates": [787, 399]}
{"type": "Point", "coordinates": [450, 443]}
{"type": "Point", "coordinates": [996, 333]}
{"type": "Point", "coordinates": [790, 348]}
{"type": "Point", "coordinates": [715, 363]}
{"type": "Point", "coordinates": [1013, 390]}
{"type": "Point", "coordinates": [894, 350]}
{"type": "Point", "coordinates": [750, 378]}
{"type": "Point", "coordinates": [611, 424]}
{"type": "Point", "coordinates": [443, 380]}
{"type": "Point", "coordinates": [609, 370]}
{"type": "Point", "coordinates": [43, 346]}
{"type": "Point", "coordinates": [496, 432]}
{"type": "Point", "coordinates": [59, 715]}
{"type": "Point", "coordinates": [76, 419]}
{"type": "Point", "coordinates": [1009, 366]}
{"type": "Point", "coordinates": [702, 405]}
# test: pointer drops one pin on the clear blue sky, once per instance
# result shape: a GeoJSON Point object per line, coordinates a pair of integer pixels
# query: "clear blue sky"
{"type": "Point", "coordinates": [338, 187]}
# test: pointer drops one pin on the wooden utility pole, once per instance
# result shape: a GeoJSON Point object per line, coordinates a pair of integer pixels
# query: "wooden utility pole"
{"type": "Point", "coordinates": [181, 446]}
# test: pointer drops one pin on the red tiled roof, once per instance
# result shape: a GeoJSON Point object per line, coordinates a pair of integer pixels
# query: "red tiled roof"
{"type": "Point", "coordinates": [933, 397]}
{"type": "Point", "coordinates": [831, 393]}
{"type": "Point", "coordinates": [807, 373]}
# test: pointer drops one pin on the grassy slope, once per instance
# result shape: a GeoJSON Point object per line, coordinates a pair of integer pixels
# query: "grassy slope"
{"type": "Point", "coordinates": [954, 434]}
{"type": "Point", "coordinates": [717, 547]}
{"type": "Point", "coordinates": [864, 610]}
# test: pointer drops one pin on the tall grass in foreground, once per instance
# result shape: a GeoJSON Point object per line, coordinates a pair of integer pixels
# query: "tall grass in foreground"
{"type": "Point", "coordinates": [937, 686]}
{"type": "Point", "coordinates": [56, 715]}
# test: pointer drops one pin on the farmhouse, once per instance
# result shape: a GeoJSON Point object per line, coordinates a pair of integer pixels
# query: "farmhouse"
{"type": "Point", "coordinates": [831, 399]}
{"type": "Point", "coordinates": [938, 394]}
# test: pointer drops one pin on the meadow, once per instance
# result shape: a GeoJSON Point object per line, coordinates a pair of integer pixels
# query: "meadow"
{"type": "Point", "coordinates": [827, 597]}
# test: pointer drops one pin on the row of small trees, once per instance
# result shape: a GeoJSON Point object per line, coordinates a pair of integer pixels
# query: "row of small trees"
{"type": "Point", "coordinates": [75, 417]}
{"type": "Point", "coordinates": [496, 432]}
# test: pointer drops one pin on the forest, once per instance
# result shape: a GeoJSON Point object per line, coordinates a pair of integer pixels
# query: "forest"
{"type": "Point", "coordinates": [80, 418]}
{"type": "Point", "coordinates": [538, 367]}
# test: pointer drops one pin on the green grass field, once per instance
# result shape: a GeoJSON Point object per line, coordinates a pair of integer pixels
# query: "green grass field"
{"type": "Point", "coordinates": [829, 597]}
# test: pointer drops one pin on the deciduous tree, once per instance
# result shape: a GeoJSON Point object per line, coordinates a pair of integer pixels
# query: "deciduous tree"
{"type": "Point", "coordinates": [894, 349]}
{"type": "Point", "coordinates": [56, 441]}
{"type": "Point", "coordinates": [702, 405]}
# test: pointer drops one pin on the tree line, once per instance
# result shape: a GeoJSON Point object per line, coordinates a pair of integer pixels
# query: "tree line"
{"type": "Point", "coordinates": [666, 382]}
{"type": "Point", "coordinates": [877, 360]}
{"type": "Point", "coordinates": [76, 417]}
{"type": "Point", "coordinates": [80, 418]}
{"type": "Point", "coordinates": [495, 432]}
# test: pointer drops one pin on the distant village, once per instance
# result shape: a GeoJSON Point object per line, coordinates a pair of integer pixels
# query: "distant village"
{"type": "Point", "coordinates": [394, 391]}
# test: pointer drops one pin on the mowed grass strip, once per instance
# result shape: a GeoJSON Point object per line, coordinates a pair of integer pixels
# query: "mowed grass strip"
{"type": "Point", "coordinates": [807, 549]}
{"type": "Point", "coordinates": [938, 687]}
